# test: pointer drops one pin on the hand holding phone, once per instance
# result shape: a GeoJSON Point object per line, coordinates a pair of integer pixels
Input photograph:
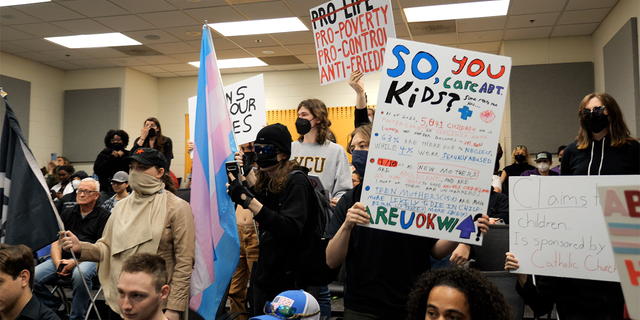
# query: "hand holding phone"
{"type": "Point", "coordinates": [233, 168]}
{"type": "Point", "coordinates": [60, 267]}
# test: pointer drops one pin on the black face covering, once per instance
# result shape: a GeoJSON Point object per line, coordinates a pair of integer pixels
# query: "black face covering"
{"type": "Point", "coordinates": [359, 160]}
{"type": "Point", "coordinates": [596, 123]}
{"type": "Point", "coordinates": [152, 133]}
{"type": "Point", "coordinates": [267, 160]}
{"type": "Point", "coordinates": [303, 126]}
{"type": "Point", "coordinates": [520, 158]}
{"type": "Point", "coordinates": [117, 146]}
{"type": "Point", "coordinates": [247, 160]}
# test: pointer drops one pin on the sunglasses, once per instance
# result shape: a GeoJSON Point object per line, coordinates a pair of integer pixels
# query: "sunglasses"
{"type": "Point", "coordinates": [265, 149]}
{"type": "Point", "coordinates": [285, 312]}
{"type": "Point", "coordinates": [596, 111]}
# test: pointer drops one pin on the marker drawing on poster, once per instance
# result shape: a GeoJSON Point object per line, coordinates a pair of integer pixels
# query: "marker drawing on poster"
{"type": "Point", "coordinates": [434, 140]}
{"type": "Point", "coordinates": [351, 36]}
{"type": "Point", "coordinates": [621, 209]}
{"type": "Point", "coordinates": [247, 108]}
{"type": "Point", "coordinates": [557, 226]}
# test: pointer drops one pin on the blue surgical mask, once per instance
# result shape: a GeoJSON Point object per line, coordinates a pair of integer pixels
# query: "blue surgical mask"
{"type": "Point", "coordinates": [359, 160]}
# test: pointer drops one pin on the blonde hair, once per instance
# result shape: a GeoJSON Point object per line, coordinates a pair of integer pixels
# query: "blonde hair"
{"type": "Point", "coordinates": [526, 154]}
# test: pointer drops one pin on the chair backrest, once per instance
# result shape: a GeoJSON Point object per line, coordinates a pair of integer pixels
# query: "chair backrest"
{"type": "Point", "coordinates": [506, 282]}
{"type": "Point", "coordinates": [490, 256]}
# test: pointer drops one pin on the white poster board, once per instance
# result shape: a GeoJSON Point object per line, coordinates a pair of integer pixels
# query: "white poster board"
{"type": "Point", "coordinates": [557, 227]}
{"type": "Point", "coordinates": [247, 108]}
{"type": "Point", "coordinates": [621, 207]}
{"type": "Point", "coordinates": [434, 140]}
{"type": "Point", "coordinates": [351, 37]}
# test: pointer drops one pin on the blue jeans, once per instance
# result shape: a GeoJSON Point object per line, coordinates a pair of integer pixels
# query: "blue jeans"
{"type": "Point", "coordinates": [46, 273]}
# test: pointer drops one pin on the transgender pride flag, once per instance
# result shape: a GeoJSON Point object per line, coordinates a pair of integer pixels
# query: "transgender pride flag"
{"type": "Point", "coordinates": [217, 245]}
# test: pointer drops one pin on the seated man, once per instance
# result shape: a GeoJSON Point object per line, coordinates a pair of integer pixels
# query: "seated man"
{"type": "Point", "coordinates": [16, 282]}
{"type": "Point", "coordinates": [86, 220]}
{"type": "Point", "coordinates": [119, 183]}
{"type": "Point", "coordinates": [143, 287]}
{"type": "Point", "coordinates": [543, 166]}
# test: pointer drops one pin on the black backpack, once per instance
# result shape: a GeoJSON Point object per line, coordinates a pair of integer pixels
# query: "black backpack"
{"type": "Point", "coordinates": [311, 263]}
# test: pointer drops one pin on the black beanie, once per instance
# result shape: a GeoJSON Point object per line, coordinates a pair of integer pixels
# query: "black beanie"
{"type": "Point", "coordinates": [277, 135]}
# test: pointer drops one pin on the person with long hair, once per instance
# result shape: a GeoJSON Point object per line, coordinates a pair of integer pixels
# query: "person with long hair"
{"type": "Point", "coordinates": [381, 266]}
{"type": "Point", "coordinates": [325, 159]}
{"type": "Point", "coordinates": [604, 146]}
{"type": "Point", "coordinates": [152, 220]}
{"type": "Point", "coordinates": [279, 202]}
{"type": "Point", "coordinates": [519, 164]}
{"type": "Point", "coordinates": [151, 137]}
{"type": "Point", "coordinates": [111, 159]}
{"type": "Point", "coordinates": [457, 293]}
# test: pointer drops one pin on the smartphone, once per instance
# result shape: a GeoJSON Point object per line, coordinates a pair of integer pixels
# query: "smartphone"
{"type": "Point", "coordinates": [60, 267]}
{"type": "Point", "coordinates": [233, 168]}
{"type": "Point", "coordinates": [54, 157]}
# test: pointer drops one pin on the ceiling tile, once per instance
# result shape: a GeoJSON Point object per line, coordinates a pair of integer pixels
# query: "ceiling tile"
{"type": "Point", "coordinates": [94, 8]}
{"type": "Point", "coordinates": [187, 73]}
{"type": "Point", "coordinates": [302, 7]}
{"type": "Point", "coordinates": [539, 20]}
{"type": "Point", "coordinates": [302, 48]}
{"type": "Point", "coordinates": [299, 37]}
{"type": "Point", "coordinates": [308, 58]}
{"type": "Point", "coordinates": [265, 10]}
{"type": "Point", "coordinates": [482, 36]}
{"type": "Point", "coordinates": [312, 65]}
{"type": "Point", "coordinates": [277, 51]}
{"type": "Point", "coordinates": [186, 57]}
{"type": "Point", "coordinates": [232, 54]}
{"type": "Point", "coordinates": [218, 14]}
{"type": "Point", "coordinates": [488, 47]}
{"type": "Point", "coordinates": [125, 23]}
{"type": "Point", "coordinates": [219, 44]}
{"type": "Point", "coordinates": [401, 30]}
{"type": "Point", "coordinates": [583, 16]}
{"type": "Point", "coordinates": [125, 62]}
{"type": "Point", "coordinates": [83, 26]}
{"type": "Point", "coordinates": [482, 24]}
{"type": "Point", "coordinates": [142, 6]}
{"type": "Point", "coordinates": [398, 16]}
{"type": "Point", "coordinates": [35, 56]}
{"type": "Point", "coordinates": [49, 11]}
{"type": "Point", "coordinates": [177, 67]}
{"type": "Point", "coordinates": [441, 39]}
{"type": "Point", "coordinates": [575, 30]}
{"type": "Point", "coordinates": [419, 3]}
{"type": "Point", "coordinates": [140, 36]}
{"type": "Point", "coordinates": [102, 52]}
{"type": "Point", "coordinates": [43, 29]}
{"type": "Point", "coordinates": [173, 48]}
{"type": "Point", "coordinates": [527, 33]}
{"type": "Point", "coordinates": [154, 60]}
{"type": "Point", "coordinates": [287, 67]}
{"type": "Point", "coordinates": [10, 16]}
{"type": "Point", "coordinates": [11, 48]}
{"type": "Point", "coordinates": [8, 33]}
{"type": "Point", "coordinates": [37, 45]}
{"type": "Point", "coordinates": [254, 41]}
{"type": "Point", "coordinates": [536, 6]}
{"type": "Point", "coordinates": [164, 75]}
{"type": "Point", "coordinates": [92, 63]}
{"type": "Point", "coordinates": [181, 32]}
{"type": "Point", "coordinates": [169, 19]}
{"type": "Point", "coordinates": [63, 65]}
{"type": "Point", "coordinates": [148, 69]}
{"type": "Point", "coordinates": [590, 4]}
{"type": "Point", "coordinates": [185, 4]}
{"type": "Point", "coordinates": [67, 54]}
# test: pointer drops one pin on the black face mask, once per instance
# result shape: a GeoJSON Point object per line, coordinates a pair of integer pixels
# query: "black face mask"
{"type": "Point", "coordinates": [247, 160]}
{"type": "Point", "coordinates": [267, 160]}
{"type": "Point", "coordinates": [359, 160]}
{"type": "Point", "coordinates": [596, 123]}
{"type": "Point", "coordinates": [520, 158]}
{"type": "Point", "coordinates": [117, 146]}
{"type": "Point", "coordinates": [303, 126]}
{"type": "Point", "coordinates": [152, 133]}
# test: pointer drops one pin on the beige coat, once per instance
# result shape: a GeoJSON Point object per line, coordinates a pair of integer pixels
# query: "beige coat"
{"type": "Point", "coordinates": [176, 246]}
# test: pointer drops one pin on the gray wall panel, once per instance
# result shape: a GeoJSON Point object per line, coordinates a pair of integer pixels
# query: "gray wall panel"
{"type": "Point", "coordinates": [20, 101]}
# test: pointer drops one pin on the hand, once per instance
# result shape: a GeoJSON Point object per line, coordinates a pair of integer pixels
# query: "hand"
{"type": "Point", "coordinates": [144, 132]}
{"type": "Point", "coordinates": [460, 255]}
{"type": "Point", "coordinates": [120, 153]}
{"type": "Point", "coordinates": [483, 223]}
{"type": "Point", "coordinates": [493, 220]}
{"type": "Point", "coordinates": [52, 166]}
{"type": "Point", "coordinates": [69, 241]}
{"type": "Point", "coordinates": [334, 202]}
{"type": "Point", "coordinates": [190, 146]}
{"type": "Point", "coordinates": [355, 81]}
{"type": "Point", "coordinates": [114, 153]}
{"type": "Point", "coordinates": [172, 315]}
{"type": "Point", "coordinates": [357, 214]}
{"type": "Point", "coordinates": [239, 192]}
{"type": "Point", "coordinates": [59, 194]}
{"type": "Point", "coordinates": [69, 265]}
{"type": "Point", "coordinates": [511, 264]}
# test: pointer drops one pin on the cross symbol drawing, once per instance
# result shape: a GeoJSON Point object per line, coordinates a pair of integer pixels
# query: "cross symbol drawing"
{"type": "Point", "coordinates": [465, 113]}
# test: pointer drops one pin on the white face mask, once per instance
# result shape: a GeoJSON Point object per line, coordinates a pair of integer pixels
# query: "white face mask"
{"type": "Point", "coordinates": [543, 166]}
{"type": "Point", "coordinates": [75, 184]}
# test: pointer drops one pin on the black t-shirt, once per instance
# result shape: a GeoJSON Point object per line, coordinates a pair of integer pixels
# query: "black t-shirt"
{"type": "Point", "coordinates": [515, 169]}
{"type": "Point", "coordinates": [382, 266]}
{"type": "Point", "coordinates": [35, 310]}
{"type": "Point", "coordinates": [87, 229]}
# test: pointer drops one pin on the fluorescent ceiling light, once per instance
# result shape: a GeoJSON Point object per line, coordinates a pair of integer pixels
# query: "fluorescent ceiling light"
{"type": "Point", "coordinates": [235, 63]}
{"type": "Point", "coordinates": [454, 11]}
{"type": "Point", "coordinates": [243, 28]}
{"type": "Point", "coordinates": [8, 3]}
{"type": "Point", "coordinates": [100, 40]}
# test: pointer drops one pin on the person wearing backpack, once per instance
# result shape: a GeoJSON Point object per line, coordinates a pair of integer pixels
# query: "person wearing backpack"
{"type": "Point", "coordinates": [279, 202]}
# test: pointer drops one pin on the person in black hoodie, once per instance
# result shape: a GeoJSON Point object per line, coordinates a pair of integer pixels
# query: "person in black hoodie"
{"type": "Point", "coordinates": [604, 146]}
{"type": "Point", "coordinates": [520, 164]}
{"type": "Point", "coordinates": [109, 160]}
{"type": "Point", "coordinates": [279, 202]}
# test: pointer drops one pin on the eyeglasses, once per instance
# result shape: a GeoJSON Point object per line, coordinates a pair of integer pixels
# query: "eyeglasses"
{"type": "Point", "coordinates": [116, 140]}
{"type": "Point", "coordinates": [596, 111]}
{"type": "Point", "coordinates": [285, 312]}
{"type": "Point", "coordinates": [87, 192]}
{"type": "Point", "coordinates": [265, 149]}
{"type": "Point", "coordinates": [152, 125]}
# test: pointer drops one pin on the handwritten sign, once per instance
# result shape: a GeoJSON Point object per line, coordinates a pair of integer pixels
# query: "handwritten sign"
{"type": "Point", "coordinates": [557, 227]}
{"type": "Point", "coordinates": [434, 140]}
{"type": "Point", "coordinates": [621, 208]}
{"type": "Point", "coordinates": [351, 36]}
{"type": "Point", "coordinates": [247, 108]}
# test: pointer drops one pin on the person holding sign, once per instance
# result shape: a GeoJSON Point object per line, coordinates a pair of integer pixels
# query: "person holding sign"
{"type": "Point", "coordinates": [604, 146]}
{"type": "Point", "coordinates": [381, 265]}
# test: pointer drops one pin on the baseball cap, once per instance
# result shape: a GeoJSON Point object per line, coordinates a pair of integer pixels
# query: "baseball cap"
{"type": "Point", "coordinates": [277, 135]}
{"type": "Point", "coordinates": [290, 304]}
{"type": "Point", "coordinates": [544, 155]}
{"type": "Point", "coordinates": [120, 176]}
{"type": "Point", "coordinates": [149, 156]}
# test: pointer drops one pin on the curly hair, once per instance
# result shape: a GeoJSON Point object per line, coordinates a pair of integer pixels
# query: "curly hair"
{"type": "Point", "coordinates": [319, 111]}
{"type": "Point", "coordinates": [121, 133]}
{"type": "Point", "coordinates": [485, 300]}
{"type": "Point", "coordinates": [618, 130]}
{"type": "Point", "coordinates": [277, 184]}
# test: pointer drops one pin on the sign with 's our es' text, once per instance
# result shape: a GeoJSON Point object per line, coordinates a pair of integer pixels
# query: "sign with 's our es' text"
{"type": "Point", "coordinates": [247, 108]}
{"type": "Point", "coordinates": [351, 35]}
{"type": "Point", "coordinates": [621, 209]}
{"type": "Point", "coordinates": [434, 142]}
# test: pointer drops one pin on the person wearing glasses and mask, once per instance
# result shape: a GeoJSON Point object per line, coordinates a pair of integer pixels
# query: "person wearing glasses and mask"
{"type": "Point", "coordinates": [279, 202]}
{"type": "Point", "coordinates": [151, 137]}
{"type": "Point", "coordinates": [604, 146]}
{"type": "Point", "coordinates": [520, 164]}
{"type": "Point", "coordinates": [111, 160]}
{"type": "Point", "coordinates": [87, 220]}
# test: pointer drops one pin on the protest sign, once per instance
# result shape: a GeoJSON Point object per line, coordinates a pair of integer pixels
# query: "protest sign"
{"type": "Point", "coordinates": [621, 209]}
{"type": "Point", "coordinates": [557, 227]}
{"type": "Point", "coordinates": [247, 108]}
{"type": "Point", "coordinates": [434, 140]}
{"type": "Point", "coordinates": [351, 37]}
